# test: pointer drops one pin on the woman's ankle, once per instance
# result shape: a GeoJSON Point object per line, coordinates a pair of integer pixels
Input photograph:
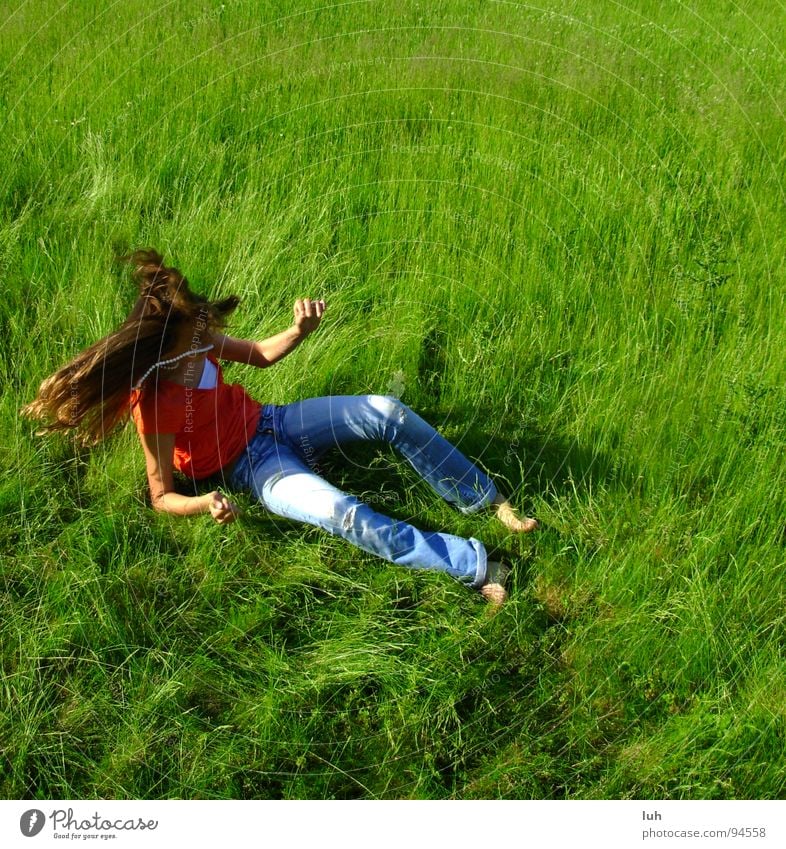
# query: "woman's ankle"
{"type": "Point", "coordinates": [507, 514]}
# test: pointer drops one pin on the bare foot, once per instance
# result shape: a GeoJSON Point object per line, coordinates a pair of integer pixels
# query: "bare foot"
{"type": "Point", "coordinates": [495, 594]}
{"type": "Point", "coordinates": [493, 590]}
{"type": "Point", "coordinates": [507, 515]}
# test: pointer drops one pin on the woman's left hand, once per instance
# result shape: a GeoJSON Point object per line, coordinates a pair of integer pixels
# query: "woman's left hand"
{"type": "Point", "coordinates": [221, 508]}
{"type": "Point", "coordinates": [308, 314]}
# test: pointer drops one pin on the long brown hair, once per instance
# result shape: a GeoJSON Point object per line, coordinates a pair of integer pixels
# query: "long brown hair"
{"type": "Point", "coordinates": [91, 394]}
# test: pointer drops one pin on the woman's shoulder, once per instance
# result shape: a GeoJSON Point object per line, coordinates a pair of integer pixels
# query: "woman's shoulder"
{"type": "Point", "coordinates": [157, 409]}
{"type": "Point", "coordinates": [155, 394]}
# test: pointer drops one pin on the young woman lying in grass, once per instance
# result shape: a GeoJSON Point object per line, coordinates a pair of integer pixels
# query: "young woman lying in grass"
{"type": "Point", "coordinates": [162, 365]}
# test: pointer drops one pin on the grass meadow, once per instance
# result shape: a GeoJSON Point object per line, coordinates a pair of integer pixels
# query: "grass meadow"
{"type": "Point", "coordinates": [556, 231]}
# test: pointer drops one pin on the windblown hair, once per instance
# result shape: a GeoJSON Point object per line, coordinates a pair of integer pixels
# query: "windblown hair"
{"type": "Point", "coordinates": [91, 394]}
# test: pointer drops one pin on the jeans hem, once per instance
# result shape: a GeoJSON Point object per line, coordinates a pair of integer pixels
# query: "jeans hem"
{"type": "Point", "coordinates": [482, 569]}
{"type": "Point", "coordinates": [482, 502]}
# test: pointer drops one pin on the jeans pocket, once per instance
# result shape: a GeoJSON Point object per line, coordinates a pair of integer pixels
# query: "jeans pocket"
{"type": "Point", "coordinates": [239, 478]}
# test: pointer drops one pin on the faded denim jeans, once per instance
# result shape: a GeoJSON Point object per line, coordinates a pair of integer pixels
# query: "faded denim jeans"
{"type": "Point", "coordinates": [276, 467]}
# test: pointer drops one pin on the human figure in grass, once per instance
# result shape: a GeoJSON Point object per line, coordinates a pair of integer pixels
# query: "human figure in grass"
{"type": "Point", "coordinates": [162, 365]}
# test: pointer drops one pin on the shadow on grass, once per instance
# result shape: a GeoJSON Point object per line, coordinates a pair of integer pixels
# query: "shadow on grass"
{"type": "Point", "coordinates": [524, 466]}
{"type": "Point", "coordinates": [538, 463]}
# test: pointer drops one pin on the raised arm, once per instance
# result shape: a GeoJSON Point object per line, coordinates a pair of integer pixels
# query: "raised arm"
{"type": "Point", "coordinates": [308, 315]}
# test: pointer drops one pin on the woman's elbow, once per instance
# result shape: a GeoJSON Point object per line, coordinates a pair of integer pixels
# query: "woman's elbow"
{"type": "Point", "coordinates": [259, 360]}
{"type": "Point", "coordinates": [158, 502]}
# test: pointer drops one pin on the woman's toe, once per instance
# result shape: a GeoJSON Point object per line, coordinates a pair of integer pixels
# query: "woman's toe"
{"type": "Point", "coordinates": [495, 594]}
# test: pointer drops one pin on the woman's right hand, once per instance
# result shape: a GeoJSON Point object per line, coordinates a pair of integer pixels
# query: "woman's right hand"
{"type": "Point", "coordinates": [308, 314]}
{"type": "Point", "coordinates": [221, 508]}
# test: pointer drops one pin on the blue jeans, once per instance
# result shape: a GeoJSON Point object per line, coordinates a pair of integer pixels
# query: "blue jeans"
{"type": "Point", "coordinates": [276, 467]}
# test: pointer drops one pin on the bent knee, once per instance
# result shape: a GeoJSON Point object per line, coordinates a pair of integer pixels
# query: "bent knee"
{"type": "Point", "coordinates": [388, 406]}
{"type": "Point", "coordinates": [305, 497]}
{"type": "Point", "coordinates": [348, 519]}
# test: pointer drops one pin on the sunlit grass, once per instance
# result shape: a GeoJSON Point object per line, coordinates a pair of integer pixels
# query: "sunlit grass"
{"type": "Point", "coordinates": [557, 236]}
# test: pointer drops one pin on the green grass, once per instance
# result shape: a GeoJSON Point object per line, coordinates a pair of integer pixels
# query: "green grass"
{"type": "Point", "coordinates": [557, 231]}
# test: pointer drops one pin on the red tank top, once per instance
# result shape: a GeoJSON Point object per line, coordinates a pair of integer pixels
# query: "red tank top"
{"type": "Point", "coordinates": [211, 426]}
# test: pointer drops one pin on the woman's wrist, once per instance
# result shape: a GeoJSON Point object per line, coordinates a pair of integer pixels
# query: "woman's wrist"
{"type": "Point", "coordinates": [184, 505]}
{"type": "Point", "coordinates": [297, 332]}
